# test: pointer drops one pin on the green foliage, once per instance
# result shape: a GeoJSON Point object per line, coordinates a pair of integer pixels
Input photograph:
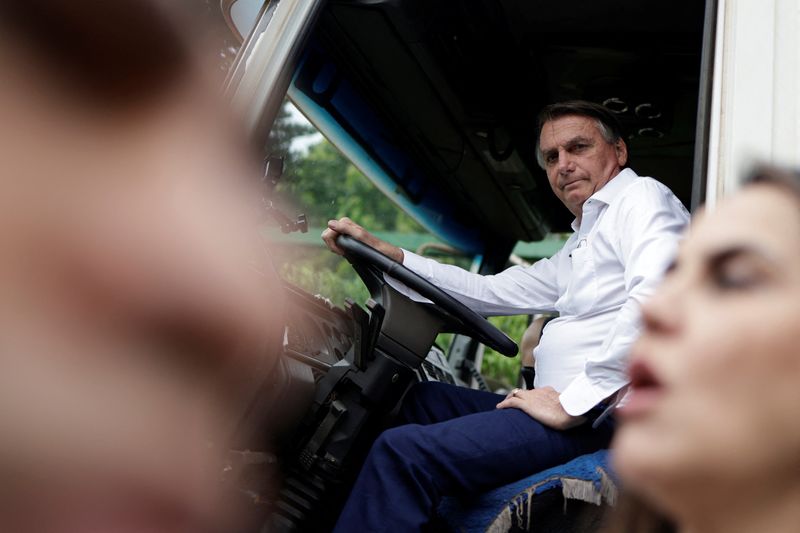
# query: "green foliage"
{"type": "Point", "coordinates": [328, 186]}
{"type": "Point", "coordinates": [284, 131]}
{"type": "Point", "coordinates": [321, 272]}
{"type": "Point", "coordinates": [498, 366]}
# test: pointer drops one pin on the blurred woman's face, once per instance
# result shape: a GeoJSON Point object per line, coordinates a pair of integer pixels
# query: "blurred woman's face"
{"type": "Point", "coordinates": [716, 375]}
{"type": "Point", "coordinates": [135, 315]}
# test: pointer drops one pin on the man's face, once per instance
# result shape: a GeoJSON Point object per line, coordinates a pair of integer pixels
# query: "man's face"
{"type": "Point", "coordinates": [578, 160]}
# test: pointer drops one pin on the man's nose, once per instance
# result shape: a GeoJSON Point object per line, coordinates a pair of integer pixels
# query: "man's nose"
{"type": "Point", "coordinates": [564, 165]}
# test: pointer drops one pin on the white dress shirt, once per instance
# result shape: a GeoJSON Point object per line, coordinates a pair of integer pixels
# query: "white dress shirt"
{"type": "Point", "coordinates": [626, 238]}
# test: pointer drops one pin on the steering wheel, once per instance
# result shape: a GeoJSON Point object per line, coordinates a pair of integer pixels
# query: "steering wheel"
{"type": "Point", "coordinates": [480, 329]}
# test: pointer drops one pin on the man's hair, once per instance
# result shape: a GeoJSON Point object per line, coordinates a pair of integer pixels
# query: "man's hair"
{"type": "Point", "coordinates": [607, 124]}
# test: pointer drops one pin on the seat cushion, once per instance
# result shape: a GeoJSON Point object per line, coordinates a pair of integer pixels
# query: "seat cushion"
{"type": "Point", "coordinates": [568, 497]}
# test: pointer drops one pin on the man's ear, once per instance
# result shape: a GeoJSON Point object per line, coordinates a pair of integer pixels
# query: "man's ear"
{"type": "Point", "coordinates": [622, 152]}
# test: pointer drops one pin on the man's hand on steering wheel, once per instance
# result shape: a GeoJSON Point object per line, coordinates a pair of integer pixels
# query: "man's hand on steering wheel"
{"type": "Point", "coordinates": [366, 252]}
{"type": "Point", "coordinates": [345, 226]}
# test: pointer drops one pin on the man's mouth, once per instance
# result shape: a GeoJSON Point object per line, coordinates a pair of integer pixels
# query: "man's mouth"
{"type": "Point", "coordinates": [569, 183]}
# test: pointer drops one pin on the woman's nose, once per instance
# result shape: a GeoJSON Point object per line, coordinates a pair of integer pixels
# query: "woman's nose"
{"type": "Point", "coordinates": [662, 312]}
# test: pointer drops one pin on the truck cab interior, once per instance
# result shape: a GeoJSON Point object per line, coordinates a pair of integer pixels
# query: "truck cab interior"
{"type": "Point", "coordinates": [435, 102]}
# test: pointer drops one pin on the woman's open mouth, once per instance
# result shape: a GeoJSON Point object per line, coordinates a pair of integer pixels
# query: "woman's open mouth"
{"type": "Point", "coordinates": [645, 391]}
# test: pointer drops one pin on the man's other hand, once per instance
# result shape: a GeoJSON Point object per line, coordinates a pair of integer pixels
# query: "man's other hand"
{"type": "Point", "coordinates": [542, 405]}
{"type": "Point", "coordinates": [345, 226]}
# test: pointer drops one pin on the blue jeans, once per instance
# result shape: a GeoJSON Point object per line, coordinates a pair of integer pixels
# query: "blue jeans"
{"type": "Point", "coordinates": [453, 442]}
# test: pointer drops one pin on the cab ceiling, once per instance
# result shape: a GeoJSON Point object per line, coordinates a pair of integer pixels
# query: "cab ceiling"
{"type": "Point", "coordinates": [463, 80]}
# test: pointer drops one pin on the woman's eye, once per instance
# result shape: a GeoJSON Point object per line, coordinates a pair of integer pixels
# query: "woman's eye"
{"type": "Point", "coordinates": [735, 277]}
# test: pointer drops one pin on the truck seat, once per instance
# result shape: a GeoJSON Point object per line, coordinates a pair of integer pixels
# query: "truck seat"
{"type": "Point", "coordinates": [567, 498]}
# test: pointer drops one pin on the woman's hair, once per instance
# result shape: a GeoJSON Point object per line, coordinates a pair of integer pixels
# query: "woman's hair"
{"type": "Point", "coordinates": [633, 515]}
{"type": "Point", "coordinates": [781, 177]}
{"type": "Point", "coordinates": [111, 53]}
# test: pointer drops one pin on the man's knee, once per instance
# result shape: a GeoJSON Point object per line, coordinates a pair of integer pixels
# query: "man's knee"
{"type": "Point", "coordinates": [399, 446]}
{"type": "Point", "coordinates": [424, 392]}
{"type": "Point", "coordinates": [415, 406]}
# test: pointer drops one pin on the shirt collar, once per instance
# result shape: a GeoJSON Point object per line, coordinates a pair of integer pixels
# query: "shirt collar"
{"type": "Point", "coordinates": [611, 190]}
{"type": "Point", "coordinates": [615, 186]}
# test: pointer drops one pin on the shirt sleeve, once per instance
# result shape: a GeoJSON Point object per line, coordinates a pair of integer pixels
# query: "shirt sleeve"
{"type": "Point", "coordinates": [516, 290]}
{"type": "Point", "coordinates": [651, 225]}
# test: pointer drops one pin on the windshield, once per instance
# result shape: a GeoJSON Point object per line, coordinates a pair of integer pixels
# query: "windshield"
{"type": "Point", "coordinates": [320, 183]}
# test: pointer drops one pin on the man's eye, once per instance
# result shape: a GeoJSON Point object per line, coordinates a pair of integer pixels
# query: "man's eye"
{"type": "Point", "coordinates": [550, 158]}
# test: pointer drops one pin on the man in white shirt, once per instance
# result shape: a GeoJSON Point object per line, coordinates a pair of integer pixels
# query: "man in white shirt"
{"type": "Point", "coordinates": [458, 440]}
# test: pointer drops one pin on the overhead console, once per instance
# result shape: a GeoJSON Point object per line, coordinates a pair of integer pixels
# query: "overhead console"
{"type": "Point", "coordinates": [443, 95]}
